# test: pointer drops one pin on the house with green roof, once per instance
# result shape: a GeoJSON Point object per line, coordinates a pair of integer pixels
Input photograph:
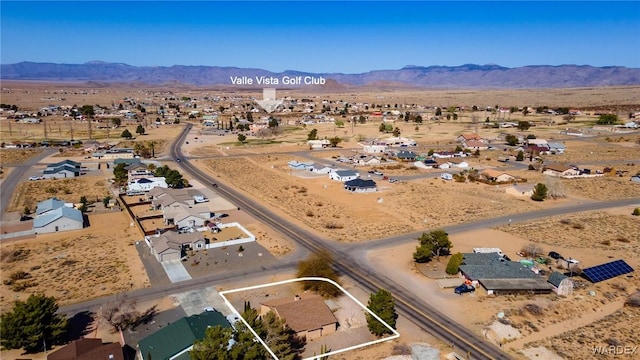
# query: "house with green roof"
{"type": "Point", "coordinates": [174, 341]}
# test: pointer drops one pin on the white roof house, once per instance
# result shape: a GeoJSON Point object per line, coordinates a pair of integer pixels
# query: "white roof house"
{"type": "Point", "coordinates": [146, 184]}
{"type": "Point", "coordinates": [343, 175]}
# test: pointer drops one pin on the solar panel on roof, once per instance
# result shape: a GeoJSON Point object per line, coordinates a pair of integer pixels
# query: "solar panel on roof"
{"type": "Point", "coordinates": [607, 271]}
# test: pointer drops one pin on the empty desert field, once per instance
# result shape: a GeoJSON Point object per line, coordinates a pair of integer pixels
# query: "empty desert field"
{"type": "Point", "coordinates": [77, 265]}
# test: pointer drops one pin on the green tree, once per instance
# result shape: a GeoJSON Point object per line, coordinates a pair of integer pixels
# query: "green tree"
{"type": "Point", "coordinates": [383, 305]}
{"type": "Point", "coordinates": [523, 125]}
{"type": "Point", "coordinates": [339, 123]}
{"type": "Point", "coordinates": [319, 265]}
{"type": "Point", "coordinates": [539, 192]}
{"type": "Point", "coordinates": [636, 212]}
{"type": "Point", "coordinates": [607, 119]}
{"type": "Point", "coordinates": [520, 156]}
{"type": "Point", "coordinates": [313, 134]}
{"type": "Point", "coordinates": [273, 123]}
{"type": "Point", "coordinates": [126, 134]}
{"type": "Point", "coordinates": [105, 200]}
{"type": "Point", "coordinates": [26, 210]}
{"type": "Point", "coordinates": [87, 110]}
{"type": "Point", "coordinates": [32, 323]}
{"type": "Point", "coordinates": [120, 174]}
{"type": "Point", "coordinates": [438, 112]}
{"type": "Point", "coordinates": [215, 344]}
{"type": "Point", "coordinates": [140, 129]}
{"type": "Point", "coordinates": [511, 140]}
{"type": "Point", "coordinates": [334, 141]}
{"type": "Point", "coordinates": [242, 138]}
{"type": "Point", "coordinates": [454, 263]}
{"type": "Point", "coordinates": [396, 132]}
{"type": "Point", "coordinates": [85, 204]}
{"type": "Point", "coordinates": [434, 243]}
{"type": "Point", "coordinates": [280, 338]}
{"type": "Point", "coordinates": [382, 127]}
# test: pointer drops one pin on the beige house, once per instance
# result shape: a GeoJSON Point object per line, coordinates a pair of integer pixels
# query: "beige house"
{"type": "Point", "coordinates": [496, 175]}
{"type": "Point", "coordinates": [560, 170]}
{"type": "Point", "coordinates": [308, 316]}
{"type": "Point", "coordinates": [172, 246]}
{"type": "Point", "coordinates": [520, 190]}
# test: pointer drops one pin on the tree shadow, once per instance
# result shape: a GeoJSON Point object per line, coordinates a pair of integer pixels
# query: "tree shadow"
{"type": "Point", "coordinates": [80, 325]}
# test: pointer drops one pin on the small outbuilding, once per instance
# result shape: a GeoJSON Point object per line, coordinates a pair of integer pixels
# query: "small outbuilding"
{"type": "Point", "coordinates": [561, 284]}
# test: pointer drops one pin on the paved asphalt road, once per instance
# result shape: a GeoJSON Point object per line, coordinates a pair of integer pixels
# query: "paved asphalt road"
{"type": "Point", "coordinates": [11, 181]}
{"type": "Point", "coordinates": [415, 310]}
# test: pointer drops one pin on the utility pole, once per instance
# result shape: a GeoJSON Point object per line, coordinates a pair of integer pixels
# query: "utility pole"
{"type": "Point", "coordinates": [44, 123]}
{"type": "Point", "coordinates": [71, 129]}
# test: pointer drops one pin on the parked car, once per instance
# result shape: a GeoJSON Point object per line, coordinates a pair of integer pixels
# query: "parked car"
{"type": "Point", "coordinates": [392, 180]}
{"type": "Point", "coordinates": [34, 178]}
{"type": "Point", "coordinates": [222, 215]}
{"type": "Point", "coordinates": [446, 176]}
{"type": "Point", "coordinates": [378, 173]}
{"type": "Point", "coordinates": [572, 261]}
{"type": "Point", "coordinates": [209, 309]}
{"type": "Point", "coordinates": [555, 255]}
{"type": "Point", "coordinates": [372, 171]}
{"type": "Point", "coordinates": [464, 288]}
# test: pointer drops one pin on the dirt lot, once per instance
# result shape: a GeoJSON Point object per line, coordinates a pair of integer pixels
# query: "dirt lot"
{"type": "Point", "coordinates": [10, 157]}
{"type": "Point", "coordinates": [70, 190]}
{"type": "Point", "coordinates": [77, 265]}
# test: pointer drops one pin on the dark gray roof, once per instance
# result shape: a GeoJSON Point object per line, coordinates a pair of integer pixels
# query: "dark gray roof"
{"type": "Point", "coordinates": [480, 258]}
{"type": "Point", "coordinates": [57, 169]}
{"type": "Point", "coordinates": [516, 284]}
{"type": "Point", "coordinates": [346, 173]}
{"type": "Point", "coordinates": [498, 270]}
{"type": "Point", "coordinates": [556, 278]}
{"type": "Point", "coordinates": [360, 183]}
{"type": "Point", "coordinates": [65, 162]}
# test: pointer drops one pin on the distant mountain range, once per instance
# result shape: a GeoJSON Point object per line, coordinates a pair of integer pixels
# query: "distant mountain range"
{"type": "Point", "coordinates": [464, 76]}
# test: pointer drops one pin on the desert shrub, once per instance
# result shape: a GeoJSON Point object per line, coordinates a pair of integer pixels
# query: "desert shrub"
{"type": "Point", "coordinates": [534, 309]}
{"type": "Point", "coordinates": [302, 190]}
{"type": "Point", "coordinates": [623, 239]}
{"type": "Point", "coordinates": [454, 263]}
{"type": "Point", "coordinates": [21, 286]}
{"type": "Point", "coordinates": [52, 190]}
{"type": "Point", "coordinates": [606, 242]}
{"type": "Point", "coordinates": [532, 250]}
{"type": "Point", "coordinates": [310, 213]}
{"type": "Point", "coordinates": [401, 349]}
{"type": "Point", "coordinates": [633, 300]}
{"type": "Point", "coordinates": [619, 286]}
{"type": "Point", "coordinates": [15, 255]}
{"type": "Point", "coordinates": [240, 248]}
{"type": "Point", "coordinates": [578, 226]}
{"type": "Point", "coordinates": [19, 275]}
{"type": "Point", "coordinates": [636, 212]}
{"type": "Point", "coordinates": [319, 203]}
{"type": "Point", "coordinates": [333, 225]}
{"type": "Point", "coordinates": [565, 221]}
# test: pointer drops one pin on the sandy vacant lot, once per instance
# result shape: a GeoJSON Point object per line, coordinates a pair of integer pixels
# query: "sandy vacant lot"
{"type": "Point", "coordinates": [10, 157]}
{"type": "Point", "coordinates": [76, 265]}
{"type": "Point", "coordinates": [70, 190]}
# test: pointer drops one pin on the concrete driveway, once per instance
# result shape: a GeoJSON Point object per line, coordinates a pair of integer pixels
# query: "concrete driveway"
{"type": "Point", "coordinates": [175, 271]}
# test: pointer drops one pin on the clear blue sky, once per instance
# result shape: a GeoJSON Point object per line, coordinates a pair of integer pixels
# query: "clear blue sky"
{"type": "Point", "coordinates": [349, 37]}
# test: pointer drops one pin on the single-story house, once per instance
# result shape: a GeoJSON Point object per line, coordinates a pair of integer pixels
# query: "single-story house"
{"type": "Point", "coordinates": [520, 190]}
{"type": "Point", "coordinates": [561, 284]}
{"type": "Point", "coordinates": [367, 161]}
{"type": "Point", "coordinates": [296, 165]}
{"type": "Point", "coordinates": [162, 198]}
{"type": "Point", "coordinates": [171, 245]}
{"type": "Point", "coordinates": [343, 175]}
{"type": "Point", "coordinates": [458, 163]}
{"type": "Point", "coordinates": [475, 145]}
{"type": "Point", "coordinates": [54, 215]}
{"type": "Point", "coordinates": [88, 349]}
{"type": "Point", "coordinates": [448, 154]}
{"type": "Point", "coordinates": [360, 185]}
{"type": "Point", "coordinates": [323, 170]}
{"type": "Point", "coordinates": [146, 184]}
{"type": "Point", "coordinates": [430, 163]}
{"type": "Point", "coordinates": [469, 137]}
{"type": "Point", "coordinates": [174, 340]}
{"type": "Point", "coordinates": [61, 170]}
{"type": "Point", "coordinates": [500, 276]}
{"type": "Point", "coordinates": [114, 153]}
{"type": "Point", "coordinates": [138, 171]}
{"type": "Point", "coordinates": [309, 316]}
{"type": "Point", "coordinates": [557, 148]}
{"type": "Point", "coordinates": [186, 217]}
{"type": "Point", "coordinates": [318, 144]}
{"type": "Point", "coordinates": [374, 148]}
{"type": "Point", "coordinates": [560, 170]}
{"type": "Point", "coordinates": [635, 179]}
{"type": "Point", "coordinates": [404, 155]}
{"type": "Point", "coordinates": [496, 175]}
